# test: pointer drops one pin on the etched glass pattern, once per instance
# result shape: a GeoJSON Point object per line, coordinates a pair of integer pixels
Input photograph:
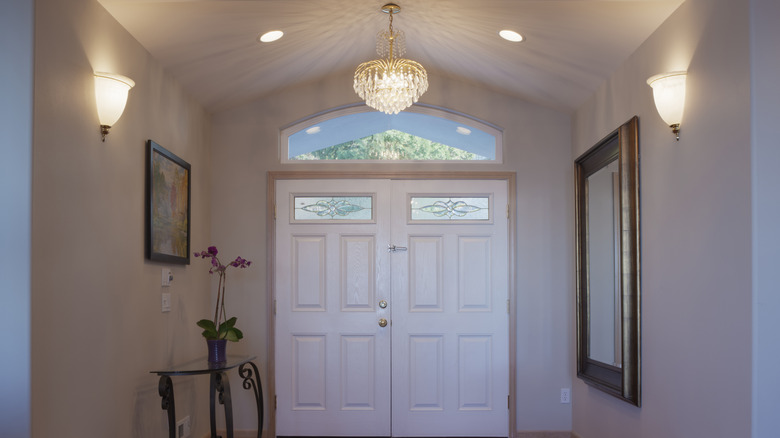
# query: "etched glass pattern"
{"type": "Point", "coordinates": [357, 208]}
{"type": "Point", "coordinates": [450, 208]}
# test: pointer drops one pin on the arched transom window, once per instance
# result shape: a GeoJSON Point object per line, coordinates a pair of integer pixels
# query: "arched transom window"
{"type": "Point", "coordinates": [421, 133]}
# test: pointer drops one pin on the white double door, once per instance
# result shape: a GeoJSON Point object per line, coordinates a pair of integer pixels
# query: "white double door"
{"type": "Point", "coordinates": [440, 367]}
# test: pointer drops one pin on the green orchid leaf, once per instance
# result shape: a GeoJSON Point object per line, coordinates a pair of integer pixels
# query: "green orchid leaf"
{"type": "Point", "coordinates": [207, 324]}
{"type": "Point", "coordinates": [209, 334]}
{"type": "Point", "coordinates": [231, 336]}
{"type": "Point", "coordinates": [226, 330]}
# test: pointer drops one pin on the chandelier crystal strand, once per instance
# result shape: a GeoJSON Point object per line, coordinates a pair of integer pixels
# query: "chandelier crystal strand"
{"type": "Point", "coordinates": [390, 84]}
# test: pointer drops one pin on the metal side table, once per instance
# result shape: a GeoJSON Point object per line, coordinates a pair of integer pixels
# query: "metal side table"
{"type": "Point", "coordinates": [218, 384]}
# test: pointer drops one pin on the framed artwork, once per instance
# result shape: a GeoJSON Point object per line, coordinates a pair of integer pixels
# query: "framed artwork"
{"type": "Point", "coordinates": [167, 206]}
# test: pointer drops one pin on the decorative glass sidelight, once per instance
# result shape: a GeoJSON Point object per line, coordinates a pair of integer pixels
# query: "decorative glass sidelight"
{"type": "Point", "coordinates": [333, 208]}
{"type": "Point", "coordinates": [450, 208]}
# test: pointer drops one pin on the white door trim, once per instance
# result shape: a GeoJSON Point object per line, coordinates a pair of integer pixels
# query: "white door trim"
{"type": "Point", "coordinates": [271, 214]}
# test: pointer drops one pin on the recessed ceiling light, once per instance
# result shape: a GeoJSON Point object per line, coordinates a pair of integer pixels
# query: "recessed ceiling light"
{"type": "Point", "coordinates": [271, 36]}
{"type": "Point", "coordinates": [462, 130]}
{"type": "Point", "coordinates": [313, 130]}
{"type": "Point", "coordinates": [511, 35]}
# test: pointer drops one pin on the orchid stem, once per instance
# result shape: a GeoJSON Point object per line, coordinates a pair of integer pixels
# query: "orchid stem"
{"type": "Point", "coordinates": [216, 311]}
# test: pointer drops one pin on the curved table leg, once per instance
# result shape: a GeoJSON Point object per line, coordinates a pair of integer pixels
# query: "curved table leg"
{"type": "Point", "coordinates": [213, 405]}
{"type": "Point", "coordinates": [221, 384]}
{"type": "Point", "coordinates": [257, 386]}
{"type": "Point", "coordinates": [165, 389]}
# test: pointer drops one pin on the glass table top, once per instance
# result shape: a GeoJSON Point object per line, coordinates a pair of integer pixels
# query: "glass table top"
{"type": "Point", "coordinates": [202, 366]}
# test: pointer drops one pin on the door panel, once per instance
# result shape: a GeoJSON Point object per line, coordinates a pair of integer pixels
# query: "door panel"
{"type": "Point", "coordinates": [358, 285]}
{"type": "Point", "coordinates": [308, 367]}
{"type": "Point", "coordinates": [450, 319]}
{"type": "Point", "coordinates": [359, 372]}
{"type": "Point", "coordinates": [332, 359]}
{"type": "Point", "coordinates": [426, 372]}
{"type": "Point", "coordinates": [425, 289]}
{"type": "Point", "coordinates": [308, 269]}
{"type": "Point", "coordinates": [440, 367]}
{"type": "Point", "coordinates": [474, 285]}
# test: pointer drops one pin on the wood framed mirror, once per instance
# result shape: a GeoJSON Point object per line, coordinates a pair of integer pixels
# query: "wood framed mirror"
{"type": "Point", "coordinates": [608, 268]}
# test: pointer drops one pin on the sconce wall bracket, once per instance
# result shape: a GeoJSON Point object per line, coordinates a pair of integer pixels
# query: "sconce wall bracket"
{"type": "Point", "coordinates": [104, 132]}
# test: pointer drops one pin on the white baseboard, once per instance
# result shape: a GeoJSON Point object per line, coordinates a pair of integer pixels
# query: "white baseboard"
{"type": "Point", "coordinates": [236, 434]}
{"type": "Point", "coordinates": [534, 434]}
{"type": "Point", "coordinates": [544, 434]}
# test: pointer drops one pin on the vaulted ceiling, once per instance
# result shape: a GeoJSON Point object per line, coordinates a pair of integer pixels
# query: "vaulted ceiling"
{"type": "Point", "coordinates": [571, 46]}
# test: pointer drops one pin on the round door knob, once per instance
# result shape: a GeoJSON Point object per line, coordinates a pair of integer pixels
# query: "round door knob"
{"type": "Point", "coordinates": [382, 322]}
{"type": "Point", "coordinates": [383, 304]}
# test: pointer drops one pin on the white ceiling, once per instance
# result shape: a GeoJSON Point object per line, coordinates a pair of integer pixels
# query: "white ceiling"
{"type": "Point", "coordinates": [571, 46]}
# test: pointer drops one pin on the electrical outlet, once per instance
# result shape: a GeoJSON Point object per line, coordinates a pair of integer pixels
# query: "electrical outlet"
{"type": "Point", "coordinates": [565, 395]}
{"type": "Point", "coordinates": [166, 301]}
{"type": "Point", "coordinates": [183, 427]}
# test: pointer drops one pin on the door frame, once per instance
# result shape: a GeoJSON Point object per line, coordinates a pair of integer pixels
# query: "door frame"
{"type": "Point", "coordinates": [271, 215]}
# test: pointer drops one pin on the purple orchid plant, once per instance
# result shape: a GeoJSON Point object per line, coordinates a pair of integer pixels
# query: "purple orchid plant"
{"type": "Point", "coordinates": [221, 327]}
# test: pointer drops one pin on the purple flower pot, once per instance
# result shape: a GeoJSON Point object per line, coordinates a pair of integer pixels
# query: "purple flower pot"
{"type": "Point", "coordinates": [217, 350]}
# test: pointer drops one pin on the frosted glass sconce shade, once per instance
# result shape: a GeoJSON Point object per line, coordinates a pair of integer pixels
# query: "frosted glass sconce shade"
{"type": "Point", "coordinates": [669, 96]}
{"type": "Point", "coordinates": [111, 96]}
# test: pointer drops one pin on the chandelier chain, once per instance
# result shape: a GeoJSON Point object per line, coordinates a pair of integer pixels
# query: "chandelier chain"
{"type": "Point", "coordinates": [391, 37]}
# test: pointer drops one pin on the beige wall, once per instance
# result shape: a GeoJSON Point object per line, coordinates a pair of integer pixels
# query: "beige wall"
{"type": "Point", "coordinates": [537, 141]}
{"type": "Point", "coordinates": [695, 228]}
{"type": "Point", "coordinates": [97, 323]}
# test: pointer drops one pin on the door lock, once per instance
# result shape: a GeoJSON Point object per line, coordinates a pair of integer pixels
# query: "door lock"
{"type": "Point", "coordinates": [383, 304]}
{"type": "Point", "coordinates": [393, 248]}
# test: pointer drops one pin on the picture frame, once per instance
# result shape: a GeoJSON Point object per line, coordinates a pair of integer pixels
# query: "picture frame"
{"type": "Point", "coordinates": [168, 206]}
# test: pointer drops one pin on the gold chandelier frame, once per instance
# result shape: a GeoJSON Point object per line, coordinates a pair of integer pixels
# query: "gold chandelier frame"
{"type": "Point", "coordinates": [390, 84]}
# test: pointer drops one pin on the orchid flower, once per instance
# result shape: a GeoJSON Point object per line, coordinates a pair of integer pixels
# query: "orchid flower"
{"type": "Point", "coordinates": [221, 327]}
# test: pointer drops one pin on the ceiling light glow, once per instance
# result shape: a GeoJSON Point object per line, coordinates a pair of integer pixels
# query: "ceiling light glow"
{"type": "Point", "coordinates": [271, 36]}
{"type": "Point", "coordinates": [462, 130]}
{"type": "Point", "coordinates": [511, 35]}
{"type": "Point", "coordinates": [313, 130]}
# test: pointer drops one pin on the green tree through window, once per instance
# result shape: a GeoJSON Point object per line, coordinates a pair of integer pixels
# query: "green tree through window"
{"type": "Point", "coordinates": [390, 145]}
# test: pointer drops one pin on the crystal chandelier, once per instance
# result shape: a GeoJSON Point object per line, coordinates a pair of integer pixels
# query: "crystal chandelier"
{"type": "Point", "coordinates": [390, 84]}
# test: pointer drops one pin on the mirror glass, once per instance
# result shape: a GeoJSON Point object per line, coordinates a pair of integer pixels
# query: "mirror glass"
{"type": "Point", "coordinates": [603, 189]}
{"type": "Point", "coordinates": [607, 244]}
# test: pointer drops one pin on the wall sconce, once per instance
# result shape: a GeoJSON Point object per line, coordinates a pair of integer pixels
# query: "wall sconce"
{"type": "Point", "coordinates": [669, 95]}
{"type": "Point", "coordinates": [111, 96]}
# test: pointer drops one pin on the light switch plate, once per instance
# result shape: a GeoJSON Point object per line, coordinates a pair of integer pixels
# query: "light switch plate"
{"type": "Point", "coordinates": [167, 277]}
{"type": "Point", "coordinates": [166, 302]}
